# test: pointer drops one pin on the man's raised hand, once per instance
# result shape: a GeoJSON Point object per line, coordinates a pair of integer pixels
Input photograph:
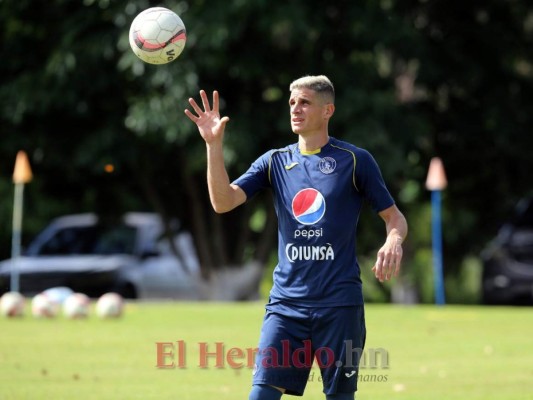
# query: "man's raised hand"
{"type": "Point", "coordinates": [208, 120]}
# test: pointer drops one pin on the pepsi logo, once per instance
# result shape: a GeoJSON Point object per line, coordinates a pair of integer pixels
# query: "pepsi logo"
{"type": "Point", "coordinates": [308, 206]}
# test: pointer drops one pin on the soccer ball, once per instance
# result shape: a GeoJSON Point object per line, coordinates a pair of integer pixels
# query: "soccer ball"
{"type": "Point", "coordinates": [42, 306]}
{"type": "Point", "coordinates": [12, 304]}
{"type": "Point", "coordinates": [157, 35]}
{"type": "Point", "coordinates": [76, 306]}
{"type": "Point", "coordinates": [109, 305]}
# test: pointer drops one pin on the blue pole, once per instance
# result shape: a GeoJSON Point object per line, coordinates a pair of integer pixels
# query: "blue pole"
{"type": "Point", "coordinates": [16, 238]}
{"type": "Point", "coordinates": [436, 226]}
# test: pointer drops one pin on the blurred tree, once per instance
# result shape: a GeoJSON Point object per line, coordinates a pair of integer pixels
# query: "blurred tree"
{"type": "Point", "coordinates": [474, 76]}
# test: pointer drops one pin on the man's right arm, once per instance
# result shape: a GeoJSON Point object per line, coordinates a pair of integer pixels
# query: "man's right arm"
{"type": "Point", "coordinates": [223, 195]}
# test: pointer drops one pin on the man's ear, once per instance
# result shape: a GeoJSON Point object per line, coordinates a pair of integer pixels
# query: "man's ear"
{"type": "Point", "coordinates": [329, 109]}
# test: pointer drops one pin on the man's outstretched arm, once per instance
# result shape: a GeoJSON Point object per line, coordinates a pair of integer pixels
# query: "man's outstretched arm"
{"type": "Point", "coordinates": [223, 195]}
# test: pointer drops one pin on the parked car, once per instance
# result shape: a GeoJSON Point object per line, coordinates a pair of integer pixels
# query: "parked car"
{"type": "Point", "coordinates": [130, 255]}
{"type": "Point", "coordinates": [508, 260]}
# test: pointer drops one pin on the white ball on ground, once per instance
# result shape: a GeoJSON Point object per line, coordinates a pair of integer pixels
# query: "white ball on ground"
{"type": "Point", "coordinates": [43, 306]}
{"type": "Point", "coordinates": [76, 306]}
{"type": "Point", "coordinates": [12, 304]}
{"type": "Point", "coordinates": [110, 305]}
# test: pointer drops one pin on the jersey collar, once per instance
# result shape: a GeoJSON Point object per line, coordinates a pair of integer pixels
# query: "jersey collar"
{"type": "Point", "coordinates": [316, 151]}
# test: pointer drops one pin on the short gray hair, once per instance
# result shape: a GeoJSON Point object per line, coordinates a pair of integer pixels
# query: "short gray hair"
{"type": "Point", "coordinates": [320, 84]}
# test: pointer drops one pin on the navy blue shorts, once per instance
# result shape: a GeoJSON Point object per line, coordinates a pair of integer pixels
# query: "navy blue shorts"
{"type": "Point", "coordinates": [293, 337]}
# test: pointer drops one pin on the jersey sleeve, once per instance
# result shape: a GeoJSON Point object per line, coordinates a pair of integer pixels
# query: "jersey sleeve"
{"type": "Point", "coordinates": [256, 177]}
{"type": "Point", "coordinates": [370, 183]}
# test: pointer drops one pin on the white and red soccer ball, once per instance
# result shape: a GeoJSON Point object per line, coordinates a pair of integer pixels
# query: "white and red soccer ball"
{"type": "Point", "coordinates": [12, 304]}
{"type": "Point", "coordinates": [77, 306]}
{"type": "Point", "coordinates": [110, 305]}
{"type": "Point", "coordinates": [44, 306]}
{"type": "Point", "coordinates": [157, 35]}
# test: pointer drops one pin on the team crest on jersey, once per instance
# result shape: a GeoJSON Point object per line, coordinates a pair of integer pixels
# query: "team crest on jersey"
{"type": "Point", "coordinates": [327, 165]}
{"type": "Point", "coordinates": [308, 206]}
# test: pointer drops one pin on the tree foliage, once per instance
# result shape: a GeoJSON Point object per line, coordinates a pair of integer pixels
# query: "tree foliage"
{"type": "Point", "coordinates": [414, 79]}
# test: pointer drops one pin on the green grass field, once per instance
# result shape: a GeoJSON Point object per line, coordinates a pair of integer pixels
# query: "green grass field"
{"type": "Point", "coordinates": [451, 352]}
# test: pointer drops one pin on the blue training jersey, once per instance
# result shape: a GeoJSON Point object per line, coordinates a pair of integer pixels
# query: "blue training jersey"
{"type": "Point", "coordinates": [318, 199]}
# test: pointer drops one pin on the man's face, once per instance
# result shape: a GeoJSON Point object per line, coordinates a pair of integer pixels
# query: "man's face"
{"type": "Point", "coordinates": [309, 112]}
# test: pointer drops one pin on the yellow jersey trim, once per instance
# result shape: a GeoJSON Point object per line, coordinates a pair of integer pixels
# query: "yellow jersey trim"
{"type": "Point", "coordinates": [310, 153]}
{"type": "Point", "coordinates": [354, 163]}
{"type": "Point", "coordinates": [270, 161]}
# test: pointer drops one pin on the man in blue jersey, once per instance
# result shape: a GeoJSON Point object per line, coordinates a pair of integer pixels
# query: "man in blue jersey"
{"type": "Point", "coordinates": [319, 184]}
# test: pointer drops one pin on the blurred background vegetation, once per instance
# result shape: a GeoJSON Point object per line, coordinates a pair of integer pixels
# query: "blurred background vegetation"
{"type": "Point", "coordinates": [414, 79]}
